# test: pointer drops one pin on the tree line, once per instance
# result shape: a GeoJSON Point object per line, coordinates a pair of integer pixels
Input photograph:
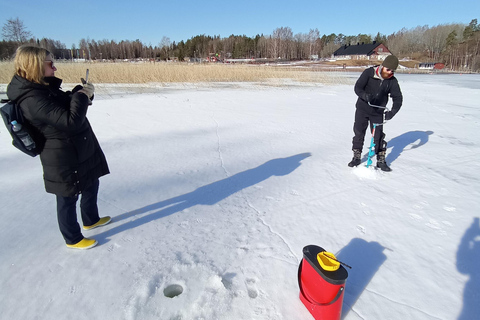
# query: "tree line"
{"type": "Point", "coordinates": [456, 45]}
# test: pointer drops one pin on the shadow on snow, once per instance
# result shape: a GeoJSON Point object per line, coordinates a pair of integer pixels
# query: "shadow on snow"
{"type": "Point", "coordinates": [468, 262]}
{"type": "Point", "coordinates": [366, 264]}
{"type": "Point", "coordinates": [206, 195]}
{"type": "Point", "coordinates": [366, 258]}
{"type": "Point", "coordinates": [401, 142]}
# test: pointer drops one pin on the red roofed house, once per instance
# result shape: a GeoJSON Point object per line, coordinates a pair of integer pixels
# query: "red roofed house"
{"type": "Point", "coordinates": [369, 51]}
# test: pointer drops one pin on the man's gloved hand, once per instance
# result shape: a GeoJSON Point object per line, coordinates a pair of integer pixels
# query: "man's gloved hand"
{"type": "Point", "coordinates": [88, 89]}
{"type": "Point", "coordinates": [388, 115]}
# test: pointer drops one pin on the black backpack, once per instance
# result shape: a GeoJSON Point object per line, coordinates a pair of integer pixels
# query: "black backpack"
{"type": "Point", "coordinates": [11, 112]}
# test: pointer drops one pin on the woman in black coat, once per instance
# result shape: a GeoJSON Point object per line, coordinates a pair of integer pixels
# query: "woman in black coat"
{"type": "Point", "coordinates": [71, 156]}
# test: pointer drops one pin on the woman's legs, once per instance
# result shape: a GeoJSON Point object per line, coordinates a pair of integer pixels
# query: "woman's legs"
{"type": "Point", "coordinates": [88, 204]}
{"type": "Point", "coordinates": [67, 219]}
{"type": "Point", "coordinates": [67, 213]}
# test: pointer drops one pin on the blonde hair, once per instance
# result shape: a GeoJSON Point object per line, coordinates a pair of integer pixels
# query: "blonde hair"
{"type": "Point", "coordinates": [29, 61]}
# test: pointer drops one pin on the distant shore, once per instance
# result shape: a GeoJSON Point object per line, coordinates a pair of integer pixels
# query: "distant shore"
{"type": "Point", "coordinates": [138, 72]}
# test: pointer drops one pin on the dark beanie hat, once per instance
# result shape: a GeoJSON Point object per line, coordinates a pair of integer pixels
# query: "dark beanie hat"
{"type": "Point", "coordinates": [390, 62]}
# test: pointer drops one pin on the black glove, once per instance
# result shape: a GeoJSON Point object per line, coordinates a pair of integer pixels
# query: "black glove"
{"type": "Point", "coordinates": [389, 115]}
{"type": "Point", "coordinates": [77, 88]}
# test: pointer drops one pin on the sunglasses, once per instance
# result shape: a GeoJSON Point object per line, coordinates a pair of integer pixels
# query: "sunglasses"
{"type": "Point", "coordinates": [51, 63]}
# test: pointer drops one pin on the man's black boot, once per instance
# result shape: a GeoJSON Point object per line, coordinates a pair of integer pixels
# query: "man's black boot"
{"type": "Point", "coordinates": [381, 162]}
{"type": "Point", "coordinates": [357, 158]}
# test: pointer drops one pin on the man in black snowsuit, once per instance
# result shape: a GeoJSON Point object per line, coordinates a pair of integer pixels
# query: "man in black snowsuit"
{"type": "Point", "coordinates": [373, 88]}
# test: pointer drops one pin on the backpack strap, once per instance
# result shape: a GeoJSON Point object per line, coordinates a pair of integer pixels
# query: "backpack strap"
{"type": "Point", "coordinates": [18, 114]}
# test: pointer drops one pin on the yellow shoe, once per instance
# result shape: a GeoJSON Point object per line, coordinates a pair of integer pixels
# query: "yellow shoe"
{"type": "Point", "coordinates": [103, 221]}
{"type": "Point", "coordinates": [85, 243]}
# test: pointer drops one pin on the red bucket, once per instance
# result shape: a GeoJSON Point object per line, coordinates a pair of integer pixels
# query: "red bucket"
{"type": "Point", "coordinates": [321, 291]}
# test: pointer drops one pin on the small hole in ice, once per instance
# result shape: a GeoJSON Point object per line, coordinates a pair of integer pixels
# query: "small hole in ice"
{"type": "Point", "coordinates": [173, 290]}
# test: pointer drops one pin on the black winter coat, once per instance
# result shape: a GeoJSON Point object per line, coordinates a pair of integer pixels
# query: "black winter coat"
{"type": "Point", "coordinates": [71, 157]}
{"type": "Point", "coordinates": [374, 89]}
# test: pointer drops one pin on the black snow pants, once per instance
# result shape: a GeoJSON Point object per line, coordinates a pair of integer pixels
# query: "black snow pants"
{"type": "Point", "coordinates": [362, 120]}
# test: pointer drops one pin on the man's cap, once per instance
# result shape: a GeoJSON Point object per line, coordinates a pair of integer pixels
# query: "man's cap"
{"type": "Point", "coordinates": [390, 62]}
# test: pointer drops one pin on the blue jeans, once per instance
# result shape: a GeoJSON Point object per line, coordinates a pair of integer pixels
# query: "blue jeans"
{"type": "Point", "coordinates": [67, 213]}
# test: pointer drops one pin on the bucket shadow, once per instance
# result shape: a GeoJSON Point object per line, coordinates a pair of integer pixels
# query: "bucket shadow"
{"type": "Point", "coordinates": [414, 139]}
{"type": "Point", "coordinates": [366, 259]}
{"type": "Point", "coordinates": [206, 195]}
{"type": "Point", "coordinates": [468, 262]}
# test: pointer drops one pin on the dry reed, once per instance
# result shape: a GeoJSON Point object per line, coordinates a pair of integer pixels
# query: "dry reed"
{"type": "Point", "coordinates": [162, 72]}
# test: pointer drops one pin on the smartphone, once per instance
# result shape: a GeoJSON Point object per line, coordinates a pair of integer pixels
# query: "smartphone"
{"type": "Point", "coordinates": [86, 78]}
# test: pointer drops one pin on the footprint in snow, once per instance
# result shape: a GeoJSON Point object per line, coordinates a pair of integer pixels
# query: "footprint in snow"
{"type": "Point", "coordinates": [362, 229]}
{"type": "Point", "coordinates": [251, 288]}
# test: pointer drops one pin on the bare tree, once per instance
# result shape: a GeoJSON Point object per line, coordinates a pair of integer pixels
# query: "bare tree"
{"type": "Point", "coordinates": [300, 46]}
{"type": "Point", "coordinates": [398, 42]}
{"type": "Point", "coordinates": [435, 40]}
{"type": "Point", "coordinates": [14, 30]}
{"type": "Point", "coordinates": [313, 36]}
{"type": "Point", "coordinates": [275, 44]}
{"type": "Point", "coordinates": [83, 47]}
{"type": "Point", "coordinates": [282, 39]}
{"type": "Point", "coordinates": [165, 45]}
{"type": "Point", "coordinates": [262, 47]}
{"type": "Point", "coordinates": [414, 40]}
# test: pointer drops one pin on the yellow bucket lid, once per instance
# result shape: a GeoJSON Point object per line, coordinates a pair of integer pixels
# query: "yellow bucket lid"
{"type": "Point", "coordinates": [328, 261]}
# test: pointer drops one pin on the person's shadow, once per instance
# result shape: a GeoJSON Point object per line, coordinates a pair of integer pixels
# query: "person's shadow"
{"type": "Point", "coordinates": [468, 262]}
{"type": "Point", "coordinates": [365, 258]}
{"type": "Point", "coordinates": [206, 195]}
{"type": "Point", "coordinates": [414, 139]}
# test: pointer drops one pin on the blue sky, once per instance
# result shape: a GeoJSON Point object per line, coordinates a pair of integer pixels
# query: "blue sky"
{"type": "Point", "coordinates": [149, 21]}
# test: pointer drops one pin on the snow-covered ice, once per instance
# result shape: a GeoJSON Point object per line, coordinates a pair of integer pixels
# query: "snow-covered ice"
{"type": "Point", "coordinates": [215, 189]}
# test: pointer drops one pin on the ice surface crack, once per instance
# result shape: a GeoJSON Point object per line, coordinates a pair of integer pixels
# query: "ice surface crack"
{"type": "Point", "coordinates": [219, 147]}
{"type": "Point", "coordinates": [271, 230]}
{"type": "Point", "coordinates": [403, 304]}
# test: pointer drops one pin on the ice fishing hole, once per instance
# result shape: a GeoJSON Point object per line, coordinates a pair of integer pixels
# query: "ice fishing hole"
{"type": "Point", "coordinates": [173, 290]}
